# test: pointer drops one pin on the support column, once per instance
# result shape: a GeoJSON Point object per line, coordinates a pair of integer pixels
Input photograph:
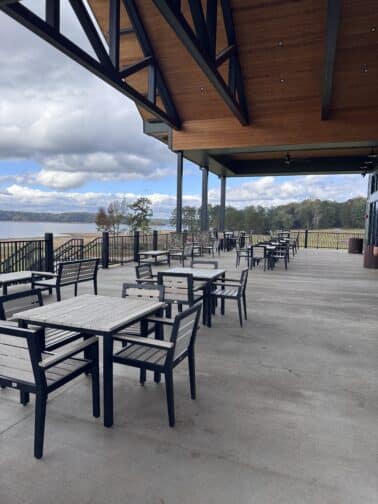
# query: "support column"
{"type": "Point", "coordinates": [222, 206]}
{"type": "Point", "coordinates": [180, 166]}
{"type": "Point", "coordinates": [204, 207]}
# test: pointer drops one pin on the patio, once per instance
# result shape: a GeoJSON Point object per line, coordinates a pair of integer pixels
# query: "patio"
{"type": "Point", "coordinates": [286, 408]}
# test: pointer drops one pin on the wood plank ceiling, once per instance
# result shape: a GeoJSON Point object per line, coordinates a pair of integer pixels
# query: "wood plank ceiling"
{"type": "Point", "coordinates": [281, 46]}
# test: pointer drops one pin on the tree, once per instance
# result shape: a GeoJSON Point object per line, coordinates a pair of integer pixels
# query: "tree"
{"type": "Point", "coordinates": [102, 220]}
{"type": "Point", "coordinates": [117, 214]}
{"type": "Point", "coordinates": [140, 214]}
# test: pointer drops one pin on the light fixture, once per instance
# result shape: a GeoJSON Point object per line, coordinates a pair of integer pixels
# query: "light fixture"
{"type": "Point", "coordinates": [280, 43]}
{"type": "Point", "coordinates": [373, 29]}
{"type": "Point", "coordinates": [282, 80]}
{"type": "Point", "coordinates": [365, 69]}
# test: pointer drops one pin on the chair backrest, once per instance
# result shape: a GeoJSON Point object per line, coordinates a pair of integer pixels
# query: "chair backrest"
{"type": "Point", "coordinates": [243, 279]}
{"type": "Point", "coordinates": [19, 301]}
{"type": "Point", "coordinates": [19, 355]}
{"type": "Point", "coordinates": [188, 250]}
{"type": "Point", "coordinates": [257, 251]}
{"type": "Point", "coordinates": [184, 330]}
{"type": "Point", "coordinates": [143, 291]}
{"type": "Point", "coordinates": [178, 287]}
{"type": "Point", "coordinates": [68, 272]}
{"type": "Point", "coordinates": [88, 269]}
{"type": "Point", "coordinates": [197, 263]}
{"type": "Point", "coordinates": [143, 271]}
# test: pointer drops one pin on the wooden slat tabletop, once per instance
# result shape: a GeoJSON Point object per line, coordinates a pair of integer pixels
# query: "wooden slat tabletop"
{"type": "Point", "coordinates": [98, 314]}
{"type": "Point", "coordinates": [154, 252]}
{"type": "Point", "coordinates": [22, 275]}
{"type": "Point", "coordinates": [198, 273]}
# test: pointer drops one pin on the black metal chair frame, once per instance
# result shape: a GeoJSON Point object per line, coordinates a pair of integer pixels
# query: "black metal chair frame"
{"type": "Point", "coordinates": [226, 290]}
{"type": "Point", "coordinates": [43, 383]}
{"type": "Point", "coordinates": [168, 360]}
{"type": "Point", "coordinates": [144, 274]}
{"type": "Point", "coordinates": [71, 273]}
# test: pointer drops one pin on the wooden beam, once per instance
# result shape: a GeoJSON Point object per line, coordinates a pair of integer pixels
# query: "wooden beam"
{"type": "Point", "coordinates": [333, 21]}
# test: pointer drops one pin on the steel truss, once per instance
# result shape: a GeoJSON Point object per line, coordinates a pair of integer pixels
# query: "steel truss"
{"type": "Point", "coordinates": [106, 66]}
{"type": "Point", "coordinates": [201, 44]}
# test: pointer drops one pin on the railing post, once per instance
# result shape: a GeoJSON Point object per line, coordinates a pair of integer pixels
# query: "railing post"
{"type": "Point", "coordinates": [306, 238]}
{"type": "Point", "coordinates": [155, 240]}
{"type": "Point", "coordinates": [136, 246]}
{"type": "Point", "coordinates": [105, 250]}
{"type": "Point", "coordinates": [49, 252]}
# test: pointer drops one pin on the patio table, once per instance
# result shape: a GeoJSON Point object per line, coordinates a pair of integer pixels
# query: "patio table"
{"type": "Point", "coordinates": [7, 279]}
{"type": "Point", "coordinates": [157, 256]}
{"type": "Point", "coordinates": [208, 276]}
{"type": "Point", "coordinates": [93, 315]}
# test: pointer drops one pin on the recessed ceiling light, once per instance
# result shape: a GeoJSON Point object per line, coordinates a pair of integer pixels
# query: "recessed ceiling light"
{"type": "Point", "coordinates": [373, 29]}
{"type": "Point", "coordinates": [280, 43]}
{"type": "Point", "coordinates": [365, 69]}
{"type": "Point", "coordinates": [282, 81]}
{"type": "Point", "coordinates": [202, 89]}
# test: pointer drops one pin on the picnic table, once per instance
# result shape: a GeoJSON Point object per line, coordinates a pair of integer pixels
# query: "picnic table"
{"type": "Point", "coordinates": [7, 279]}
{"type": "Point", "coordinates": [154, 256]}
{"type": "Point", "coordinates": [207, 276]}
{"type": "Point", "coordinates": [93, 315]}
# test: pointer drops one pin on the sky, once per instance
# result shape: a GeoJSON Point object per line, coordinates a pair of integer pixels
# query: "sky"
{"type": "Point", "coordinates": [69, 142]}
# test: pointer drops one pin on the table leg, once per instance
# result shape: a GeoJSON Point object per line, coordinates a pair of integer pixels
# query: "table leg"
{"type": "Point", "coordinates": [108, 380]}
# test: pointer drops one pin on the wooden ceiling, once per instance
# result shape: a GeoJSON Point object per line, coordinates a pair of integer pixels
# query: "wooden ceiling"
{"type": "Point", "coordinates": [281, 47]}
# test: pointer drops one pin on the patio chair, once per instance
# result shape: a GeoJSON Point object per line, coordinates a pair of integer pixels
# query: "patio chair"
{"type": "Point", "coordinates": [257, 255]}
{"type": "Point", "coordinates": [26, 300]}
{"type": "Point", "coordinates": [24, 367]}
{"type": "Point", "coordinates": [241, 253]}
{"type": "Point", "coordinates": [163, 356]}
{"type": "Point", "coordinates": [280, 253]}
{"type": "Point", "coordinates": [182, 254]}
{"type": "Point", "coordinates": [144, 274]}
{"type": "Point", "coordinates": [203, 263]}
{"type": "Point", "coordinates": [235, 290]}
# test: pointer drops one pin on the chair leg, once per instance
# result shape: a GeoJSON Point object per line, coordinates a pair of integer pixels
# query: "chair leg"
{"type": "Point", "coordinates": [170, 397]}
{"type": "Point", "coordinates": [24, 397]}
{"type": "Point", "coordinates": [95, 286]}
{"type": "Point", "coordinates": [58, 296]}
{"type": "Point", "coordinates": [75, 289]}
{"type": "Point", "coordinates": [142, 376]}
{"type": "Point", "coordinates": [222, 306]}
{"type": "Point", "coordinates": [39, 425]}
{"type": "Point", "coordinates": [245, 306]}
{"type": "Point", "coordinates": [192, 374]}
{"type": "Point", "coordinates": [240, 312]}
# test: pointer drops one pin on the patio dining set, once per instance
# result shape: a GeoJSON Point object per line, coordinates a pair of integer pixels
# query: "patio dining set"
{"type": "Point", "coordinates": [151, 326]}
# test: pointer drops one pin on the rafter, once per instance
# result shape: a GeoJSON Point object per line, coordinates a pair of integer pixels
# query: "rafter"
{"type": "Point", "coordinates": [106, 67]}
{"type": "Point", "coordinates": [333, 21]}
{"type": "Point", "coordinates": [202, 48]}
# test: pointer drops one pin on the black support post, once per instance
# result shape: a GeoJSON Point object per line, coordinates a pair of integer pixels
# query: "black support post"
{"type": "Point", "coordinates": [222, 206]}
{"type": "Point", "coordinates": [180, 166]}
{"type": "Point", "coordinates": [105, 250]}
{"type": "Point", "coordinates": [155, 240]}
{"type": "Point", "coordinates": [49, 252]}
{"type": "Point", "coordinates": [306, 238]}
{"type": "Point", "coordinates": [136, 246]}
{"type": "Point", "coordinates": [204, 207]}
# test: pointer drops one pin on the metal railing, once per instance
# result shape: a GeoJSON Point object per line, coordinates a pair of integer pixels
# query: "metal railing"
{"type": "Point", "coordinates": [337, 240]}
{"type": "Point", "coordinates": [20, 255]}
{"type": "Point", "coordinates": [121, 249]}
{"type": "Point", "coordinates": [70, 250]}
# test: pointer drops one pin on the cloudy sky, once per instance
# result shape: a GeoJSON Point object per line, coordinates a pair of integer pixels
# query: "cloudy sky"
{"type": "Point", "coordinates": [70, 142]}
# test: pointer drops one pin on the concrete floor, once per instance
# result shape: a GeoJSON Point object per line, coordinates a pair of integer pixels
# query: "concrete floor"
{"type": "Point", "coordinates": [286, 412]}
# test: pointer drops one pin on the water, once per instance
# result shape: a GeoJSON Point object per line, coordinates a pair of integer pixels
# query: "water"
{"type": "Point", "coordinates": [11, 229]}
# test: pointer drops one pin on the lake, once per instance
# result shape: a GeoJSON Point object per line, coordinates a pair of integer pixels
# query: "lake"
{"type": "Point", "coordinates": [13, 229]}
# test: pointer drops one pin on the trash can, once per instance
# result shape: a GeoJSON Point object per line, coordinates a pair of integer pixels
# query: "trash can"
{"type": "Point", "coordinates": [355, 245]}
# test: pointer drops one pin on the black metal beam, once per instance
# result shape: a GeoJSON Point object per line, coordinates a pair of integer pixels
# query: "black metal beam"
{"type": "Point", "coordinates": [90, 30]}
{"type": "Point", "coordinates": [211, 20]}
{"type": "Point", "coordinates": [114, 31]}
{"type": "Point", "coordinates": [147, 49]}
{"type": "Point", "coordinates": [131, 69]}
{"type": "Point", "coordinates": [199, 22]}
{"type": "Point", "coordinates": [333, 21]}
{"type": "Point", "coordinates": [184, 32]}
{"type": "Point", "coordinates": [223, 55]}
{"type": "Point", "coordinates": [318, 165]}
{"type": "Point", "coordinates": [180, 169]}
{"type": "Point", "coordinates": [35, 24]}
{"type": "Point", "coordinates": [52, 13]}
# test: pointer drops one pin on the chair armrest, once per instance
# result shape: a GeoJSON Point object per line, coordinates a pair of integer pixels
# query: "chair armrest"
{"type": "Point", "coordinates": [161, 320]}
{"type": "Point", "coordinates": [175, 251]}
{"type": "Point", "coordinates": [151, 342]}
{"type": "Point", "coordinates": [8, 327]}
{"type": "Point", "coordinates": [226, 284]}
{"type": "Point", "coordinates": [56, 358]}
{"type": "Point", "coordinates": [47, 274]}
{"type": "Point", "coordinates": [145, 280]}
